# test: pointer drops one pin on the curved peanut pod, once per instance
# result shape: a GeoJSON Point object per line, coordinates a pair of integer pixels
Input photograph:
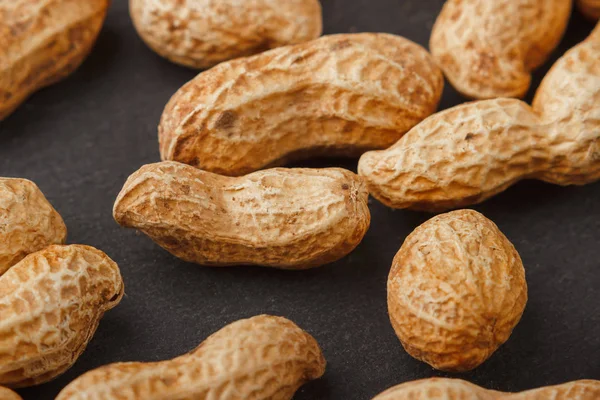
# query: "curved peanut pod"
{"type": "Point", "coordinates": [284, 218]}
{"type": "Point", "coordinates": [487, 49]}
{"type": "Point", "coordinates": [50, 306]}
{"type": "Point", "coordinates": [42, 42]}
{"type": "Point", "coordinates": [590, 8]}
{"type": "Point", "coordinates": [7, 394]}
{"type": "Point", "coordinates": [338, 95]}
{"type": "Point", "coordinates": [28, 222]}
{"type": "Point", "coordinates": [468, 153]}
{"type": "Point", "coordinates": [456, 389]}
{"type": "Point", "coordinates": [203, 33]}
{"type": "Point", "coordinates": [259, 358]}
{"type": "Point", "coordinates": [456, 290]}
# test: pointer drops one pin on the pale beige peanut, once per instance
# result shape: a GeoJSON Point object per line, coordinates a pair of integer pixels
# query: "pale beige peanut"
{"type": "Point", "coordinates": [28, 222]}
{"type": "Point", "coordinates": [468, 153]}
{"type": "Point", "coordinates": [50, 305]}
{"type": "Point", "coordinates": [7, 394]}
{"type": "Point", "coordinates": [42, 42]}
{"type": "Point", "coordinates": [337, 95]}
{"type": "Point", "coordinates": [487, 49]}
{"type": "Point", "coordinates": [284, 218]}
{"type": "Point", "coordinates": [456, 290]}
{"type": "Point", "coordinates": [259, 358]}
{"type": "Point", "coordinates": [590, 8]}
{"type": "Point", "coordinates": [456, 389]}
{"type": "Point", "coordinates": [203, 33]}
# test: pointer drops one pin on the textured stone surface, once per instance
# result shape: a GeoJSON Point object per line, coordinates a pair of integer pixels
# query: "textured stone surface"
{"type": "Point", "coordinates": [202, 33]}
{"type": "Point", "coordinates": [28, 222]}
{"type": "Point", "coordinates": [590, 8]}
{"type": "Point", "coordinates": [50, 306]}
{"type": "Point", "coordinates": [337, 95]}
{"type": "Point", "coordinates": [43, 41]}
{"type": "Point", "coordinates": [468, 153]}
{"type": "Point", "coordinates": [456, 389]}
{"type": "Point", "coordinates": [488, 49]}
{"type": "Point", "coordinates": [259, 358]}
{"type": "Point", "coordinates": [456, 290]}
{"type": "Point", "coordinates": [285, 218]}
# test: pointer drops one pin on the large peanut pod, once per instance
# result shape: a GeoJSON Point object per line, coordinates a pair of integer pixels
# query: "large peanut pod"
{"type": "Point", "coordinates": [50, 306]}
{"type": "Point", "coordinates": [284, 218]}
{"type": "Point", "coordinates": [42, 42]}
{"type": "Point", "coordinates": [444, 388]}
{"type": "Point", "coordinates": [456, 290]}
{"type": "Point", "coordinates": [337, 95]}
{"type": "Point", "coordinates": [259, 358]}
{"type": "Point", "coordinates": [7, 394]}
{"type": "Point", "coordinates": [28, 222]}
{"type": "Point", "coordinates": [468, 153]}
{"type": "Point", "coordinates": [590, 8]}
{"type": "Point", "coordinates": [488, 48]}
{"type": "Point", "coordinates": [203, 33]}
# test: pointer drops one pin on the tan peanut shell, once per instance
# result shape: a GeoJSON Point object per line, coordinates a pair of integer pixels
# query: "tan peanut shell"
{"type": "Point", "coordinates": [337, 95]}
{"type": "Point", "coordinates": [259, 358]}
{"type": "Point", "coordinates": [284, 218]}
{"type": "Point", "coordinates": [488, 48]}
{"type": "Point", "coordinates": [50, 306]}
{"type": "Point", "coordinates": [590, 8]}
{"type": "Point", "coordinates": [456, 389]}
{"type": "Point", "coordinates": [28, 222]}
{"type": "Point", "coordinates": [42, 42]}
{"type": "Point", "coordinates": [7, 394]}
{"type": "Point", "coordinates": [456, 290]}
{"type": "Point", "coordinates": [203, 33]}
{"type": "Point", "coordinates": [468, 153]}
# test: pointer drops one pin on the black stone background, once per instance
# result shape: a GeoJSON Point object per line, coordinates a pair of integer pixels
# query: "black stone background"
{"type": "Point", "coordinates": [80, 139]}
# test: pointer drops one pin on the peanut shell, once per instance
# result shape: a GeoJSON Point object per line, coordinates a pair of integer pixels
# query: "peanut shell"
{"type": "Point", "coordinates": [203, 33]}
{"type": "Point", "coordinates": [7, 394]}
{"type": "Point", "coordinates": [259, 358]}
{"type": "Point", "coordinates": [590, 8]}
{"type": "Point", "coordinates": [337, 95]}
{"type": "Point", "coordinates": [284, 218]}
{"type": "Point", "coordinates": [50, 306]}
{"type": "Point", "coordinates": [456, 290]}
{"type": "Point", "coordinates": [28, 222]}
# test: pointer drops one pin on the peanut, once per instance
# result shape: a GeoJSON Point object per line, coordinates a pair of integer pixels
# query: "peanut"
{"type": "Point", "coordinates": [456, 290]}
{"type": "Point", "coordinates": [7, 394]}
{"type": "Point", "coordinates": [28, 222]}
{"type": "Point", "coordinates": [50, 305]}
{"type": "Point", "coordinates": [590, 8]}
{"type": "Point", "coordinates": [200, 34]}
{"type": "Point", "coordinates": [466, 154]}
{"type": "Point", "coordinates": [42, 42]}
{"type": "Point", "coordinates": [456, 389]}
{"type": "Point", "coordinates": [338, 95]}
{"type": "Point", "coordinates": [285, 218]}
{"type": "Point", "coordinates": [259, 358]}
{"type": "Point", "coordinates": [487, 49]}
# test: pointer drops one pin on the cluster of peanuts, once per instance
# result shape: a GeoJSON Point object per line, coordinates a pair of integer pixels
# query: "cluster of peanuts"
{"type": "Point", "coordinates": [276, 92]}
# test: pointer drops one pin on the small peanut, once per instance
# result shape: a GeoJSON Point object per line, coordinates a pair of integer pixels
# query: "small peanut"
{"type": "Point", "coordinates": [456, 290]}
{"type": "Point", "coordinates": [456, 389]}
{"type": "Point", "coordinates": [50, 305]}
{"type": "Point", "coordinates": [43, 42]}
{"type": "Point", "coordinates": [590, 8]}
{"type": "Point", "coordinates": [285, 218]}
{"type": "Point", "coordinates": [7, 394]}
{"type": "Point", "coordinates": [259, 358]}
{"type": "Point", "coordinates": [468, 153]}
{"type": "Point", "coordinates": [487, 49]}
{"type": "Point", "coordinates": [28, 222]}
{"type": "Point", "coordinates": [337, 95]}
{"type": "Point", "coordinates": [203, 33]}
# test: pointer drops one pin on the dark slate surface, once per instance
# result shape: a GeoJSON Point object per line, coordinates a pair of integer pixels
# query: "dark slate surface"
{"type": "Point", "coordinates": [80, 139]}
